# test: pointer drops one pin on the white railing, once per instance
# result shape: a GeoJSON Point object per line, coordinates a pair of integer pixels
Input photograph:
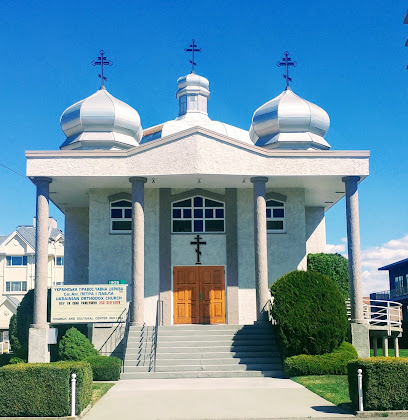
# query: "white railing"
{"type": "Point", "coordinates": [380, 313]}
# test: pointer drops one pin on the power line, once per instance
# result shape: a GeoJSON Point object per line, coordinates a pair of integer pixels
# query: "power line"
{"type": "Point", "coordinates": [12, 170]}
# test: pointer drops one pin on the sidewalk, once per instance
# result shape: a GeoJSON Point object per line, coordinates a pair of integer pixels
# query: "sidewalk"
{"type": "Point", "coordinates": [212, 398]}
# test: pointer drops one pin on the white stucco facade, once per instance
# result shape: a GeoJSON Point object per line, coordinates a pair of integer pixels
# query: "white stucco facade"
{"type": "Point", "coordinates": [176, 162]}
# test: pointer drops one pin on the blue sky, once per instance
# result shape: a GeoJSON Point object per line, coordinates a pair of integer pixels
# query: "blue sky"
{"type": "Point", "coordinates": [351, 61]}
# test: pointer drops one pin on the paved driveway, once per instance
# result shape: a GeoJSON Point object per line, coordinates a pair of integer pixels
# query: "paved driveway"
{"type": "Point", "coordinates": [212, 398]}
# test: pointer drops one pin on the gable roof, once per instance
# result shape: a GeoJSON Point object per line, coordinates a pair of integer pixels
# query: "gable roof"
{"type": "Point", "coordinates": [15, 302]}
{"type": "Point", "coordinates": [28, 235]}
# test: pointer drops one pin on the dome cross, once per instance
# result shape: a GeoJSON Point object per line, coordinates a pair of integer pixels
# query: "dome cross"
{"type": "Point", "coordinates": [287, 61]}
{"type": "Point", "coordinates": [193, 48]}
{"type": "Point", "coordinates": [102, 61]}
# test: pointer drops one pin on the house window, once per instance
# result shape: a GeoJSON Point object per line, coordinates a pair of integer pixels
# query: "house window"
{"type": "Point", "coordinates": [16, 286]}
{"type": "Point", "coordinates": [121, 216]}
{"type": "Point", "coordinates": [275, 216]}
{"type": "Point", "coordinates": [59, 261]}
{"type": "Point", "coordinates": [198, 215]}
{"type": "Point", "coordinates": [16, 260]}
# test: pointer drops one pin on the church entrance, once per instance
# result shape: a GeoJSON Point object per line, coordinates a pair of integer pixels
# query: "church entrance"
{"type": "Point", "coordinates": [199, 295]}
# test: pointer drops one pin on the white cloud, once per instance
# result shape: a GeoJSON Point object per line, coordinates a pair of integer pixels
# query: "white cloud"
{"type": "Point", "coordinates": [374, 257]}
{"type": "Point", "coordinates": [333, 249]}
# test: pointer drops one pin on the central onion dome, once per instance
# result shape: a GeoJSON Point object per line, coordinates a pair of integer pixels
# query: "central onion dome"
{"type": "Point", "coordinates": [290, 122]}
{"type": "Point", "coordinates": [192, 94]}
{"type": "Point", "coordinates": [101, 122]}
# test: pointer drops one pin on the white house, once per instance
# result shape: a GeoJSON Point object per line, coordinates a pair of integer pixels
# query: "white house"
{"type": "Point", "coordinates": [17, 267]}
{"type": "Point", "coordinates": [135, 200]}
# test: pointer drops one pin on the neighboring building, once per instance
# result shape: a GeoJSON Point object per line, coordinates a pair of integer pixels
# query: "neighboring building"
{"type": "Point", "coordinates": [17, 268]}
{"type": "Point", "coordinates": [398, 280]}
{"type": "Point", "coordinates": [257, 199]}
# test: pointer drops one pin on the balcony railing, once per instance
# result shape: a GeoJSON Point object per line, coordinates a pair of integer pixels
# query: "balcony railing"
{"type": "Point", "coordinates": [380, 314]}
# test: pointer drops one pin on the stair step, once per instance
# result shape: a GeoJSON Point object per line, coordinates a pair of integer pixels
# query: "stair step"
{"type": "Point", "coordinates": [212, 348]}
{"type": "Point", "coordinates": [208, 361]}
{"type": "Point", "coordinates": [201, 374]}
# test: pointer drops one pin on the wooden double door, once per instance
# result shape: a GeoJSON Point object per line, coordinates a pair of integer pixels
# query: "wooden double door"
{"type": "Point", "coordinates": [199, 295]}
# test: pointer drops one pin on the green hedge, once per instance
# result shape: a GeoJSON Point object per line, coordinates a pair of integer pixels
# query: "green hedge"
{"type": "Point", "coordinates": [334, 266]}
{"type": "Point", "coordinates": [385, 383]}
{"type": "Point", "coordinates": [334, 363]}
{"type": "Point", "coordinates": [75, 346]}
{"type": "Point", "coordinates": [310, 313]}
{"type": "Point", "coordinates": [43, 389]}
{"type": "Point", "coordinates": [105, 368]}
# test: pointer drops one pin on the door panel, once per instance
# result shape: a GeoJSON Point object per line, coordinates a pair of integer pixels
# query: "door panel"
{"type": "Point", "coordinates": [186, 302]}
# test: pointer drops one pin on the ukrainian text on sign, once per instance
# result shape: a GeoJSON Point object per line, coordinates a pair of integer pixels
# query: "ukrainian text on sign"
{"type": "Point", "coordinates": [87, 303]}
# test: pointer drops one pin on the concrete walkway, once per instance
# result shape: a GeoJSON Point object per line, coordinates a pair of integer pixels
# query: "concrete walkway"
{"type": "Point", "coordinates": [212, 398]}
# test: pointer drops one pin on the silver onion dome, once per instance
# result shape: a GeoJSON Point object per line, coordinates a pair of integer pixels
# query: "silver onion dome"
{"type": "Point", "coordinates": [290, 122]}
{"type": "Point", "coordinates": [101, 121]}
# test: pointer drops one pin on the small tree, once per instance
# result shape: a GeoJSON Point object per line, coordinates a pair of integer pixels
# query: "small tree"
{"type": "Point", "coordinates": [310, 313]}
{"type": "Point", "coordinates": [334, 266]}
{"type": "Point", "coordinates": [75, 346]}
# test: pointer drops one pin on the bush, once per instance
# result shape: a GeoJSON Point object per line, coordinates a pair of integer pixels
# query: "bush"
{"type": "Point", "coordinates": [334, 363]}
{"type": "Point", "coordinates": [334, 266]}
{"type": "Point", "coordinates": [75, 346]}
{"type": "Point", "coordinates": [21, 321]}
{"type": "Point", "coordinates": [15, 360]}
{"type": "Point", "coordinates": [385, 383]}
{"type": "Point", "coordinates": [105, 368]}
{"type": "Point", "coordinates": [310, 313]}
{"type": "Point", "coordinates": [43, 389]}
{"type": "Point", "coordinates": [5, 359]}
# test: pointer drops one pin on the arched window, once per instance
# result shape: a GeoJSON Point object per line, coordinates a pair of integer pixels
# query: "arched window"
{"type": "Point", "coordinates": [121, 216]}
{"type": "Point", "coordinates": [275, 216]}
{"type": "Point", "coordinates": [199, 215]}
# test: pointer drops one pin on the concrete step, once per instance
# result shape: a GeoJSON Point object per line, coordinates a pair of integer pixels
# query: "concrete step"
{"type": "Point", "coordinates": [205, 368]}
{"type": "Point", "coordinates": [208, 361]}
{"type": "Point", "coordinates": [216, 327]}
{"type": "Point", "coordinates": [200, 332]}
{"type": "Point", "coordinates": [217, 354]}
{"type": "Point", "coordinates": [208, 337]}
{"type": "Point", "coordinates": [201, 374]}
{"type": "Point", "coordinates": [186, 349]}
{"type": "Point", "coordinates": [205, 342]}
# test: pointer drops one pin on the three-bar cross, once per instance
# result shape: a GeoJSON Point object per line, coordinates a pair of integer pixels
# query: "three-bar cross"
{"type": "Point", "coordinates": [198, 243]}
{"type": "Point", "coordinates": [286, 61]}
{"type": "Point", "coordinates": [102, 61]}
{"type": "Point", "coordinates": [193, 48]}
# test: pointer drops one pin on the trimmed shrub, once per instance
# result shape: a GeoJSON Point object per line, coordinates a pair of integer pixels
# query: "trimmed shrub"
{"type": "Point", "coordinates": [310, 313]}
{"type": "Point", "coordinates": [105, 368]}
{"type": "Point", "coordinates": [334, 363]}
{"type": "Point", "coordinates": [5, 359]}
{"type": "Point", "coordinates": [15, 360]}
{"type": "Point", "coordinates": [43, 389]}
{"type": "Point", "coordinates": [75, 346]}
{"type": "Point", "coordinates": [334, 266]}
{"type": "Point", "coordinates": [385, 383]}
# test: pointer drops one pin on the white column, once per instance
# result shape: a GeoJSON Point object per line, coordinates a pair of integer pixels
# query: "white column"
{"type": "Point", "coordinates": [137, 305]}
{"type": "Point", "coordinates": [353, 242]}
{"type": "Point", "coordinates": [38, 334]}
{"type": "Point", "coordinates": [261, 251]}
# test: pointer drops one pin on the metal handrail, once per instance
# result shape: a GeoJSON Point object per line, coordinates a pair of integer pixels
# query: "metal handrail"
{"type": "Point", "coordinates": [159, 320]}
{"type": "Point", "coordinates": [119, 321]}
{"type": "Point", "coordinates": [380, 313]}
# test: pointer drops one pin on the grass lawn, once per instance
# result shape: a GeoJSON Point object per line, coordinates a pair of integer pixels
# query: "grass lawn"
{"type": "Point", "coordinates": [403, 352]}
{"type": "Point", "coordinates": [99, 389]}
{"type": "Point", "coordinates": [333, 388]}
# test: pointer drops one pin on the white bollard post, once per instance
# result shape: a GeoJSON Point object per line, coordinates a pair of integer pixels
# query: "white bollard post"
{"type": "Point", "coordinates": [360, 389]}
{"type": "Point", "coordinates": [73, 394]}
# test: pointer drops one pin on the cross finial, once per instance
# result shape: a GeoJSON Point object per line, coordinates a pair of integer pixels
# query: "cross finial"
{"type": "Point", "coordinates": [287, 61]}
{"type": "Point", "coordinates": [102, 61]}
{"type": "Point", "coordinates": [193, 48]}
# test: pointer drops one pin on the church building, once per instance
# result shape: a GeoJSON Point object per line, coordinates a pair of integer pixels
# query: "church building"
{"type": "Point", "coordinates": [195, 214]}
